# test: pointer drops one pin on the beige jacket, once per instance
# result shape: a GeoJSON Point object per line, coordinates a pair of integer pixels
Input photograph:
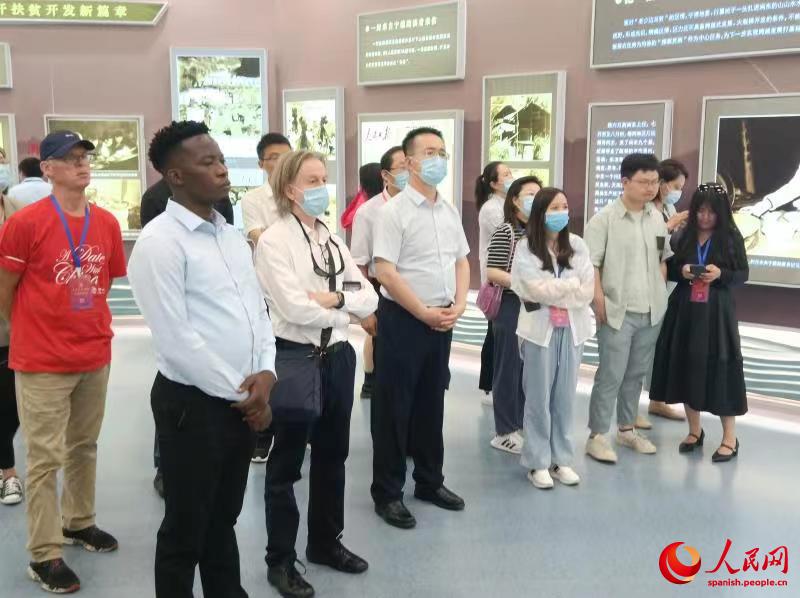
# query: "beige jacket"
{"type": "Point", "coordinates": [9, 206]}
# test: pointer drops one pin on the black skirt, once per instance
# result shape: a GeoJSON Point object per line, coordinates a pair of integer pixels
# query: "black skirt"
{"type": "Point", "coordinates": [698, 358]}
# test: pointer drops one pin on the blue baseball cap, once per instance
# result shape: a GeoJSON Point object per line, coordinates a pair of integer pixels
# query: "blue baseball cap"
{"type": "Point", "coordinates": [58, 144]}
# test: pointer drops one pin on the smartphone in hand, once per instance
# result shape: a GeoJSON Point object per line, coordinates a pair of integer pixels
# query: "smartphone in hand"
{"type": "Point", "coordinates": [697, 269]}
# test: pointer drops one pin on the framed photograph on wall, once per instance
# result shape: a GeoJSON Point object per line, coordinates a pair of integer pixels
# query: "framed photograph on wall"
{"type": "Point", "coordinates": [751, 146]}
{"type": "Point", "coordinates": [313, 119]}
{"type": "Point", "coordinates": [5, 66]}
{"type": "Point", "coordinates": [379, 132]}
{"type": "Point", "coordinates": [523, 123]}
{"type": "Point", "coordinates": [8, 143]}
{"type": "Point", "coordinates": [227, 90]}
{"type": "Point", "coordinates": [616, 130]}
{"type": "Point", "coordinates": [118, 174]}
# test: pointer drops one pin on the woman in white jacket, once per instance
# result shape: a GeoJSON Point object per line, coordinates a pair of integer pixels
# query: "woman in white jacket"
{"type": "Point", "coordinates": [554, 278]}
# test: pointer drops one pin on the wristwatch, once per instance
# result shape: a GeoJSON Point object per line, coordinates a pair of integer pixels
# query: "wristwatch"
{"type": "Point", "coordinates": [340, 295]}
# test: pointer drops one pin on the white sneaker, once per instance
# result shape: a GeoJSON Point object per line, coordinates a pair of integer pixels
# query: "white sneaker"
{"type": "Point", "coordinates": [565, 475]}
{"type": "Point", "coordinates": [636, 441]}
{"type": "Point", "coordinates": [487, 400]}
{"type": "Point", "coordinates": [509, 443]}
{"type": "Point", "coordinates": [11, 491]}
{"type": "Point", "coordinates": [520, 437]}
{"type": "Point", "coordinates": [599, 449]}
{"type": "Point", "coordinates": [540, 478]}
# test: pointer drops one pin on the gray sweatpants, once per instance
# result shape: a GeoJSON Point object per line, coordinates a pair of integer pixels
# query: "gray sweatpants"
{"type": "Point", "coordinates": [550, 379]}
{"type": "Point", "coordinates": [625, 356]}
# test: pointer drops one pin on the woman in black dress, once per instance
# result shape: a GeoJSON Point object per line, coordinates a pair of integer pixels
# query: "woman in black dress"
{"type": "Point", "coordinates": [698, 359]}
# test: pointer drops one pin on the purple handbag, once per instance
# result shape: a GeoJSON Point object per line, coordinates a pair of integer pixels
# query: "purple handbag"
{"type": "Point", "coordinates": [490, 295]}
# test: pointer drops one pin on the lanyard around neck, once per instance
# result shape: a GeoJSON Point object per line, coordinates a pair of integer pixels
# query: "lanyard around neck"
{"type": "Point", "coordinates": [76, 258]}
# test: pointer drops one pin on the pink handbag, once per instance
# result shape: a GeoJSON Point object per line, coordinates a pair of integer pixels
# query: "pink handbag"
{"type": "Point", "coordinates": [490, 295]}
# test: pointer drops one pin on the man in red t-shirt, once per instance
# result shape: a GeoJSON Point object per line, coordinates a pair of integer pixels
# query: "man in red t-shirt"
{"type": "Point", "coordinates": [58, 258]}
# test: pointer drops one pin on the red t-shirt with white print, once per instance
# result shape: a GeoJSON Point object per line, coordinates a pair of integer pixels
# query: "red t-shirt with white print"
{"type": "Point", "coordinates": [47, 334]}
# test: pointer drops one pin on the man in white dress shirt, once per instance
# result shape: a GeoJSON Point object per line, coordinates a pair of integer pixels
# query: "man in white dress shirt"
{"type": "Point", "coordinates": [32, 187]}
{"type": "Point", "coordinates": [193, 278]}
{"type": "Point", "coordinates": [421, 263]}
{"type": "Point", "coordinates": [259, 209]}
{"type": "Point", "coordinates": [395, 177]}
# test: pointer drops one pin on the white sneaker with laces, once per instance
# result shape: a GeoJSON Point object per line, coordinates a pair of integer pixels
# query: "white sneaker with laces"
{"type": "Point", "coordinates": [540, 478]}
{"type": "Point", "coordinates": [509, 443]}
{"type": "Point", "coordinates": [487, 400]}
{"type": "Point", "coordinates": [637, 441]}
{"type": "Point", "coordinates": [520, 437]}
{"type": "Point", "coordinates": [599, 449]}
{"type": "Point", "coordinates": [565, 475]}
{"type": "Point", "coordinates": [11, 491]}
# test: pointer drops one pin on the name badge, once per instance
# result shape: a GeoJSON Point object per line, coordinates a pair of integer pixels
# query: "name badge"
{"type": "Point", "coordinates": [80, 292]}
{"type": "Point", "coordinates": [661, 242]}
{"type": "Point", "coordinates": [559, 317]}
{"type": "Point", "coordinates": [352, 287]}
{"type": "Point", "coordinates": [700, 291]}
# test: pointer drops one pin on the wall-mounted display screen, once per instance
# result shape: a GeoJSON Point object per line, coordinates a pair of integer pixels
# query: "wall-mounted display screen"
{"type": "Point", "coordinates": [412, 44]}
{"type": "Point", "coordinates": [616, 130]}
{"type": "Point", "coordinates": [523, 123]}
{"type": "Point", "coordinates": [8, 144]}
{"type": "Point", "coordinates": [5, 66]}
{"type": "Point", "coordinates": [118, 170]}
{"type": "Point", "coordinates": [751, 145]}
{"type": "Point", "coordinates": [313, 119]}
{"type": "Point", "coordinates": [379, 132]}
{"type": "Point", "coordinates": [635, 32]}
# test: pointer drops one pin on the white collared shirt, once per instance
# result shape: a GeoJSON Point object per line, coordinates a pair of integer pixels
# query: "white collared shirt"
{"type": "Point", "coordinates": [363, 240]}
{"type": "Point", "coordinates": [30, 190]}
{"type": "Point", "coordinates": [259, 209]}
{"type": "Point", "coordinates": [286, 272]}
{"type": "Point", "coordinates": [195, 284]}
{"type": "Point", "coordinates": [573, 290]}
{"type": "Point", "coordinates": [489, 219]}
{"type": "Point", "coordinates": [423, 239]}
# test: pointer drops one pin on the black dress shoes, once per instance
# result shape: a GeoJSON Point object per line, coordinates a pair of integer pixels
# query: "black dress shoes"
{"type": "Point", "coordinates": [396, 514]}
{"type": "Point", "coordinates": [337, 557]}
{"type": "Point", "coordinates": [442, 498]}
{"type": "Point", "coordinates": [288, 581]}
{"type": "Point", "coordinates": [718, 457]}
{"type": "Point", "coordinates": [688, 447]}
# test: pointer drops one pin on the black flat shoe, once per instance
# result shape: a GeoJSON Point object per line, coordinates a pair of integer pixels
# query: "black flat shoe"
{"type": "Point", "coordinates": [688, 447]}
{"type": "Point", "coordinates": [287, 580]}
{"type": "Point", "coordinates": [442, 498]}
{"type": "Point", "coordinates": [337, 557]}
{"type": "Point", "coordinates": [717, 457]}
{"type": "Point", "coordinates": [396, 514]}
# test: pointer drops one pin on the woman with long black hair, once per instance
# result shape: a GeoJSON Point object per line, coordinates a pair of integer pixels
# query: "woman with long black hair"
{"type": "Point", "coordinates": [698, 359]}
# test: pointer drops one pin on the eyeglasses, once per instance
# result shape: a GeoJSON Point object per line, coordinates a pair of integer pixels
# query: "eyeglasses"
{"type": "Point", "coordinates": [647, 183]}
{"type": "Point", "coordinates": [317, 269]}
{"type": "Point", "coordinates": [77, 160]}
{"type": "Point", "coordinates": [433, 154]}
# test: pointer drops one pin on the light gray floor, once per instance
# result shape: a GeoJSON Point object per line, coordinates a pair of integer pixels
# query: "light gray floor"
{"type": "Point", "coordinates": [600, 539]}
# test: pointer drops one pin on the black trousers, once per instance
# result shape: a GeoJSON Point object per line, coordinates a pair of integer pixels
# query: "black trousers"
{"type": "Point", "coordinates": [509, 398]}
{"type": "Point", "coordinates": [487, 360]}
{"type": "Point", "coordinates": [409, 396]}
{"type": "Point", "coordinates": [205, 458]}
{"type": "Point", "coordinates": [9, 418]}
{"type": "Point", "coordinates": [330, 445]}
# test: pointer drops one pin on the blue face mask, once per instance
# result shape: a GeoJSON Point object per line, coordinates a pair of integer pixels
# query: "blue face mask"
{"type": "Point", "coordinates": [434, 170]}
{"type": "Point", "coordinates": [673, 197]}
{"type": "Point", "coordinates": [315, 201]}
{"type": "Point", "coordinates": [507, 184]}
{"type": "Point", "coordinates": [527, 205]}
{"type": "Point", "coordinates": [401, 179]}
{"type": "Point", "coordinates": [556, 221]}
{"type": "Point", "coordinates": [5, 176]}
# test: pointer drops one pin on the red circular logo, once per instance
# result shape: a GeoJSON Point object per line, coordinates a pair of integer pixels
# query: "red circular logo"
{"type": "Point", "coordinates": [673, 570]}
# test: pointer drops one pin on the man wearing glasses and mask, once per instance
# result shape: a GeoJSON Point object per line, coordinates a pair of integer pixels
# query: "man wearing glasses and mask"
{"type": "Point", "coordinates": [58, 258]}
{"type": "Point", "coordinates": [421, 263]}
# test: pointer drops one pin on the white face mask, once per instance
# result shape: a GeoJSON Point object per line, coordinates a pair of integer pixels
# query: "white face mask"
{"type": "Point", "coordinates": [673, 197]}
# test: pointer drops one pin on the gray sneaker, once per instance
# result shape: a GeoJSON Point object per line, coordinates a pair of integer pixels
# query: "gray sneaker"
{"type": "Point", "coordinates": [11, 491]}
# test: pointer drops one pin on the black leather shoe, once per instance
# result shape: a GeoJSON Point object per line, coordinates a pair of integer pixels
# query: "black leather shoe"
{"type": "Point", "coordinates": [337, 557]}
{"type": "Point", "coordinates": [688, 447]}
{"type": "Point", "coordinates": [288, 581]}
{"type": "Point", "coordinates": [718, 457]}
{"type": "Point", "coordinates": [442, 498]}
{"type": "Point", "coordinates": [395, 513]}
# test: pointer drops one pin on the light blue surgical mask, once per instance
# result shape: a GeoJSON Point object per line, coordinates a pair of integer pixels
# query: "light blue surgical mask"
{"type": "Point", "coordinates": [507, 184]}
{"type": "Point", "coordinates": [556, 221]}
{"type": "Point", "coordinates": [673, 197]}
{"type": "Point", "coordinates": [5, 176]}
{"type": "Point", "coordinates": [316, 201]}
{"type": "Point", "coordinates": [401, 179]}
{"type": "Point", "coordinates": [434, 170]}
{"type": "Point", "coordinates": [527, 205]}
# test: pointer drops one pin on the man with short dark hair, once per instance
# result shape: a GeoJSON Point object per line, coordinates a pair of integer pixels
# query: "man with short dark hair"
{"type": "Point", "coordinates": [193, 278]}
{"type": "Point", "coordinates": [259, 210]}
{"type": "Point", "coordinates": [58, 258]}
{"type": "Point", "coordinates": [32, 186]}
{"type": "Point", "coordinates": [627, 240]}
{"type": "Point", "coordinates": [421, 262]}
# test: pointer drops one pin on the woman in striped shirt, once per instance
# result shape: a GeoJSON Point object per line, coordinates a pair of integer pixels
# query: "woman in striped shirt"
{"type": "Point", "coordinates": [509, 400]}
